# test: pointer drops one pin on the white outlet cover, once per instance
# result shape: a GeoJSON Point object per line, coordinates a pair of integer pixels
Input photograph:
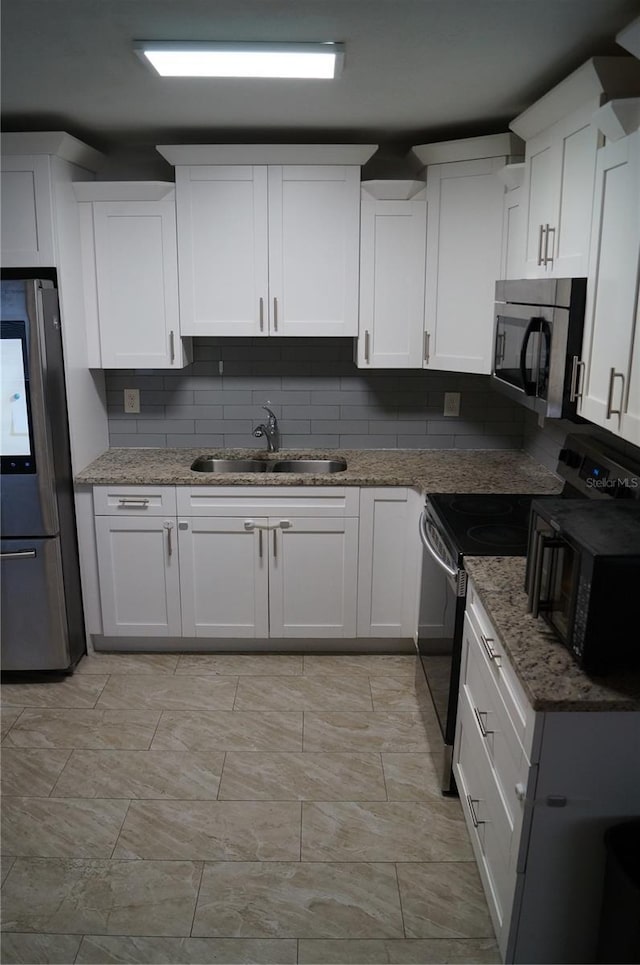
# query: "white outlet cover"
{"type": "Point", "coordinates": [452, 404]}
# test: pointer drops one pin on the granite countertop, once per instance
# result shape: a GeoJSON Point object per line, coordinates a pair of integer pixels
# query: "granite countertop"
{"type": "Point", "coordinates": [550, 676]}
{"type": "Point", "coordinates": [485, 470]}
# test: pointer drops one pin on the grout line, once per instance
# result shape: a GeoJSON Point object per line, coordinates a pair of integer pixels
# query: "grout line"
{"type": "Point", "coordinates": [404, 927]}
{"type": "Point", "coordinates": [64, 767]}
{"type": "Point", "coordinates": [195, 904]}
{"type": "Point", "coordinates": [301, 813]}
{"type": "Point", "coordinates": [224, 761]}
{"type": "Point", "coordinates": [121, 827]}
{"type": "Point", "coordinates": [155, 731]}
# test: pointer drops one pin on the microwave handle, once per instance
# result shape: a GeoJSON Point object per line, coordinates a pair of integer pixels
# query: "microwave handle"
{"type": "Point", "coordinates": [541, 543]}
{"type": "Point", "coordinates": [545, 330]}
{"type": "Point", "coordinates": [528, 385]}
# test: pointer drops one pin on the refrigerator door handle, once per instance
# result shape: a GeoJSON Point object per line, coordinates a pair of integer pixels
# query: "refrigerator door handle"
{"type": "Point", "coordinates": [19, 555]}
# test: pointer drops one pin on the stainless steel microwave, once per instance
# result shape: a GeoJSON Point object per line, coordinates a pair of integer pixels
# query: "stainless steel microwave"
{"type": "Point", "coordinates": [538, 343]}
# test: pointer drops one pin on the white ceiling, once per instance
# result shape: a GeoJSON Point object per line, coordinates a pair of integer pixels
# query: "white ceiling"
{"type": "Point", "coordinates": [415, 70]}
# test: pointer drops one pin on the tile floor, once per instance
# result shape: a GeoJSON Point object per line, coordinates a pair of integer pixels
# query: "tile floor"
{"type": "Point", "coordinates": [229, 808]}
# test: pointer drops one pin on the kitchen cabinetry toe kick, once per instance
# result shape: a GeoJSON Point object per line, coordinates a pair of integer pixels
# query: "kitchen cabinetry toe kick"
{"type": "Point", "coordinates": [102, 643]}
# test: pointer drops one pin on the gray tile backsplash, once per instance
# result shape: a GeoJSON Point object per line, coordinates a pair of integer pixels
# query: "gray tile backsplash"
{"type": "Point", "coordinates": [319, 396]}
{"type": "Point", "coordinates": [544, 442]}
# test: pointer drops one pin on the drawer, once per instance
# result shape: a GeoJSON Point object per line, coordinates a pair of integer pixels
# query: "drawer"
{"type": "Point", "coordinates": [268, 501]}
{"type": "Point", "coordinates": [520, 711]}
{"type": "Point", "coordinates": [134, 500]}
{"type": "Point", "coordinates": [494, 838]}
{"type": "Point", "coordinates": [496, 730]}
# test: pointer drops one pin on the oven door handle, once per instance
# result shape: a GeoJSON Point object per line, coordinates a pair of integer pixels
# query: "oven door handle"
{"type": "Point", "coordinates": [452, 571]}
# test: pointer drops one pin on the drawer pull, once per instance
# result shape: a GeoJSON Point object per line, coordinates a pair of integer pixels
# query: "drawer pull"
{"type": "Point", "coordinates": [479, 714]}
{"type": "Point", "coordinates": [471, 801]}
{"type": "Point", "coordinates": [139, 501]}
{"type": "Point", "coordinates": [490, 652]}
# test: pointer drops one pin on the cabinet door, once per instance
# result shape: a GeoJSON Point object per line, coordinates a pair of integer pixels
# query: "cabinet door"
{"type": "Point", "coordinates": [541, 180]}
{"type": "Point", "coordinates": [392, 272]}
{"type": "Point", "coordinates": [464, 234]}
{"type": "Point", "coordinates": [612, 288]}
{"type": "Point", "coordinates": [137, 284]}
{"type": "Point", "coordinates": [512, 261]}
{"type": "Point", "coordinates": [138, 571]}
{"type": "Point", "coordinates": [222, 243]}
{"type": "Point", "coordinates": [224, 577]}
{"type": "Point", "coordinates": [314, 225]}
{"type": "Point", "coordinates": [576, 140]}
{"type": "Point", "coordinates": [387, 563]}
{"type": "Point", "coordinates": [630, 419]}
{"type": "Point", "coordinates": [313, 577]}
{"type": "Point", "coordinates": [27, 214]}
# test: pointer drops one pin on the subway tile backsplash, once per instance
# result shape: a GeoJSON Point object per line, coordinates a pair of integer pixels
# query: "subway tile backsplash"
{"type": "Point", "coordinates": [321, 399]}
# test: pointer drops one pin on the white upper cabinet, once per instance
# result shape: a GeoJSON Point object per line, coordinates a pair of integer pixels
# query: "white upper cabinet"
{"type": "Point", "coordinates": [610, 391]}
{"type": "Point", "coordinates": [512, 258]}
{"type": "Point", "coordinates": [27, 216]}
{"type": "Point", "coordinates": [268, 248]}
{"type": "Point", "coordinates": [392, 273]}
{"type": "Point", "coordinates": [131, 274]}
{"type": "Point", "coordinates": [464, 243]}
{"type": "Point", "coordinates": [561, 147]}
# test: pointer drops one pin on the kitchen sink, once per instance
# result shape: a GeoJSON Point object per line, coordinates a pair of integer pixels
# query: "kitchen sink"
{"type": "Point", "coordinates": [209, 464]}
{"type": "Point", "coordinates": [310, 465]}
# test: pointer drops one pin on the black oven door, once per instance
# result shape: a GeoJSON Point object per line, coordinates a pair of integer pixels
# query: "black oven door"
{"type": "Point", "coordinates": [522, 349]}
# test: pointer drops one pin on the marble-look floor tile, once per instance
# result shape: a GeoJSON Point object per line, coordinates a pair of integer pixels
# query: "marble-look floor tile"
{"type": "Point", "coordinates": [443, 900]}
{"type": "Point", "coordinates": [31, 949]}
{"type": "Point", "coordinates": [243, 664]}
{"type": "Point", "coordinates": [167, 692]}
{"type": "Point", "coordinates": [302, 777]}
{"type": "Point", "coordinates": [384, 831]}
{"type": "Point", "coordinates": [211, 831]}
{"type": "Point", "coordinates": [111, 950]}
{"type": "Point", "coordinates": [6, 864]}
{"type": "Point", "coordinates": [412, 777]}
{"type": "Point", "coordinates": [31, 772]}
{"type": "Point", "coordinates": [141, 774]}
{"type": "Point", "coordinates": [398, 952]}
{"type": "Point", "coordinates": [47, 828]}
{"type": "Point", "coordinates": [134, 663]}
{"type": "Point", "coordinates": [76, 691]}
{"type": "Point", "coordinates": [399, 693]}
{"type": "Point", "coordinates": [228, 731]}
{"type": "Point", "coordinates": [372, 664]}
{"type": "Point", "coordinates": [90, 729]}
{"type": "Point", "coordinates": [331, 731]}
{"type": "Point", "coordinates": [101, 897]}
{"type": "Point", "coordinates": [313, 692]}
{"type": "Point", "coordinates": [8, 717]}
{"type": "Point", "coordinates": [283, 900]}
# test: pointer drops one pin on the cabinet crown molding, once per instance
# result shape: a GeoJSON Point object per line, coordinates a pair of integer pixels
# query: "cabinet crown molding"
{"type": "Point", "coordinates": [194, 154]}
{"type": "Point", "coordinates": [618, 118]}
{"type": "Point", "coordinates": [512, 175]}
{"type": "Point", "coordinates": [392, 190]}
{"type": "Point", "coordinates": [470, 149]}
{"type": "Point", "coordinates": [598, 80]}
{"type": "Point", "coordinates": [124, 190]}
{"type": "Point", "coordinates": [629, 38]}
{"type": "Point", "coordinates": [58, 143]}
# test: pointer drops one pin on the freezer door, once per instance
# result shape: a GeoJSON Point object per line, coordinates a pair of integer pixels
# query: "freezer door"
{"type": "Point", "coordinates": [33, 619]}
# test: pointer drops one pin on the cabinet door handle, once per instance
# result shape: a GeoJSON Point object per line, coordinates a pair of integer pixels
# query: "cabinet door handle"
{"type": "Point", "coordinates": [139, 501]}
{"type": "Point", "coordinates": [168, 525]}
{"type": "Point", "coordinates": [172, 346]}
{"type": "Point", "coordinates": [479, 714]}
{"type": "Point", "coordinates": [427, 339]}
{"type": "Point", "coordinates": [260, 543]}
{"type": "Point", "coordinates": [548, 258]}
{"type": "Point", "coordinates": [490, 652]}
{"type": "Point", "coordinates": [367, 357]}
{"type": "Point", "coordinates": [275, 544]}
{"type": "Point", "coordinates": [613, 375]}
{"type": "Point", "coordinates": [577, 378]}
{"type": "Point", "coordinates": [541, 234]}
{"type": "Point", "coordinates": [474, 817]}
{"type": "Point", "coordinates": [285, 524]}
{"type": "Point", "coordinates": [275, 314]}
{"type": "Point", "coordinates": [262, 314]}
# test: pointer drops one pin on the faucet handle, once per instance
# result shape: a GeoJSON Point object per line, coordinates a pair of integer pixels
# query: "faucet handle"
{"type": "Point", "coordinates": [272, 414]}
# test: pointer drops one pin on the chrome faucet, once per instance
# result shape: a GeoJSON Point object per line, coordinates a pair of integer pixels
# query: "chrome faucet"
{"type": "Point", "coordinates": [270, 431]}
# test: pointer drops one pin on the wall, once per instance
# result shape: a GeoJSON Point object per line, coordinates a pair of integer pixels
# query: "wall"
{"type": "Point", "coordinates": [544, 443]}
{"type": "Point", "coordinates": [321, 399]}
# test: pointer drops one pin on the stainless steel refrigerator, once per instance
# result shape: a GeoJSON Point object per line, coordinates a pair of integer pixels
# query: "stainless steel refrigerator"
{"type": "Point", "coordinates": [41, 618]}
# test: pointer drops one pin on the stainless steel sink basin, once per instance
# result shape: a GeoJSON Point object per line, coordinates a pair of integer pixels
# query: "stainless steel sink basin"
{"type": "Point", "coordinates": [209, 464]}
{"type": "Point", "coordinates": [316, 466]}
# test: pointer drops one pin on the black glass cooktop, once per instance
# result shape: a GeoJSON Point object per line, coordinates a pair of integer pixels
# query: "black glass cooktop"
{"type": "Point", "coordinates": [485, 524]}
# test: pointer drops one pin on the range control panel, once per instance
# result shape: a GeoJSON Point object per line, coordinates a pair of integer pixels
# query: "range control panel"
{"type": "Point", "coordinates": [596, 471]}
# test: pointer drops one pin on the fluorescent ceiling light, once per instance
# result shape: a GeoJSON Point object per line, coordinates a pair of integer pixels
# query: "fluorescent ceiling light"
{"type": "Point", "coordinates": [190, 59]}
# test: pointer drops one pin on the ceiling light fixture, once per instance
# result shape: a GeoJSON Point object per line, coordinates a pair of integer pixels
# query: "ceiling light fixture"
{"type": "Point", "coordinates": [175, 58]}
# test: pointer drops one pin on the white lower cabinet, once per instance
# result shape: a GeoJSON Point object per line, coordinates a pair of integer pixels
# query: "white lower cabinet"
{"type": "Point", "coordinates": [537, 790]}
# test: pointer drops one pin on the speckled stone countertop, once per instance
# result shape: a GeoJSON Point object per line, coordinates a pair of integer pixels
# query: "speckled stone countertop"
{"type": "Point", "coordinates": [485, 470]}
{"type": "Point", "coordinates": [547, 671]}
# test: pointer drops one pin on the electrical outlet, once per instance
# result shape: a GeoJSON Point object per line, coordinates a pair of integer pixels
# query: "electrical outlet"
{"type": "Point", "coordinates": [452, 403]}
{"type": "Point", "coordinates": [132, 400]}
